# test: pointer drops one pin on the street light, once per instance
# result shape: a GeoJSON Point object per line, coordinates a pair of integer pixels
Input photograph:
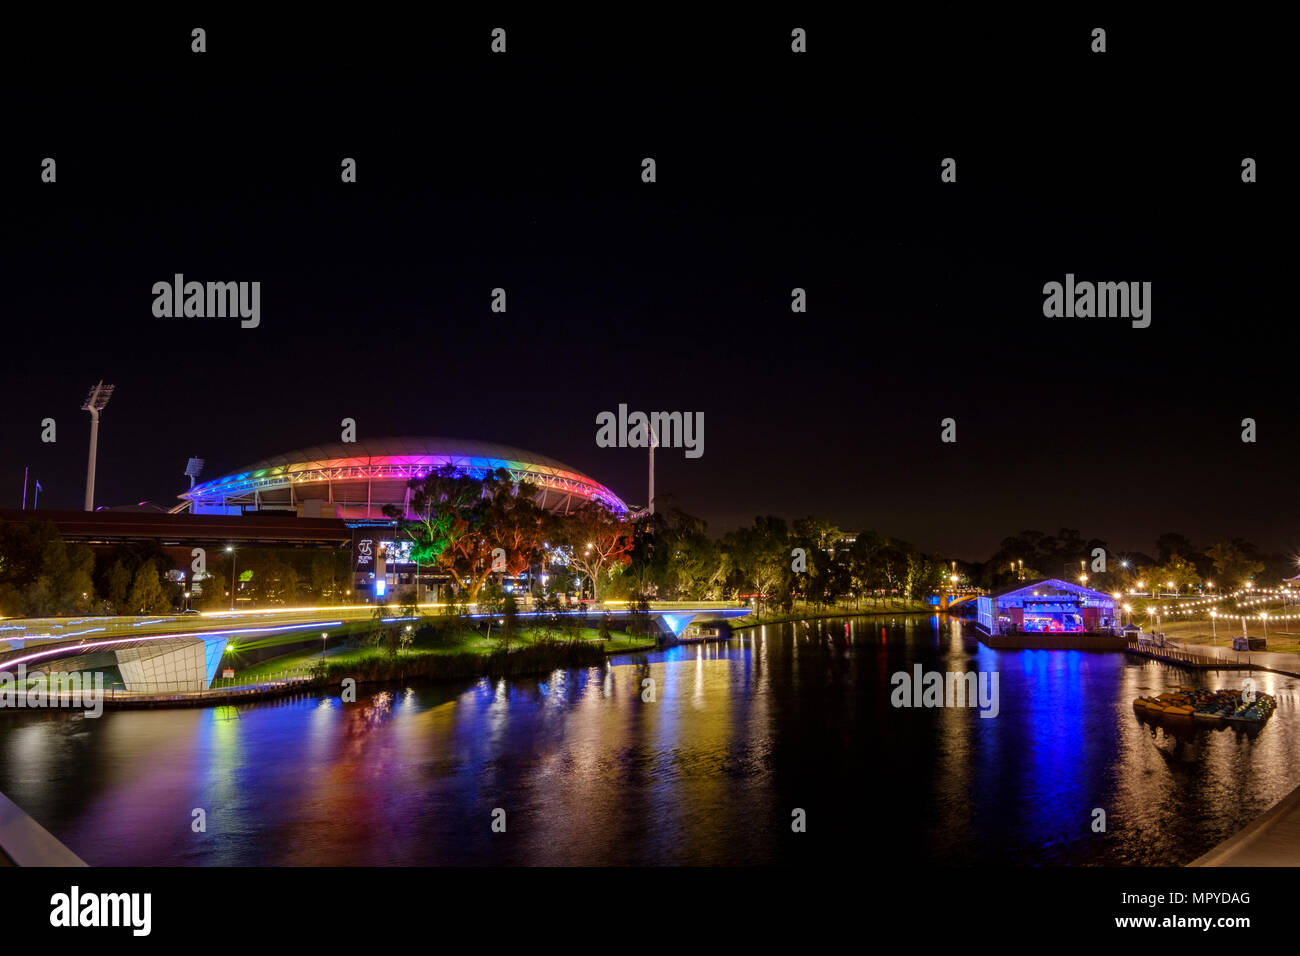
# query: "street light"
{"type": "Point", "coordinates": [231, 551]}
{"type": "Point", "coordinates": [323, 636]}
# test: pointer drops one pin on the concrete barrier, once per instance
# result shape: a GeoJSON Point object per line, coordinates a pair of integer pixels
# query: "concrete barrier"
{"type": "Point", "coordinates": [26, 843]}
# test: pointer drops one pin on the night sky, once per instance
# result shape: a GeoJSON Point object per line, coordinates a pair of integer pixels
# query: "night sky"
{"type": "Point", "coordinates": [775, 170]}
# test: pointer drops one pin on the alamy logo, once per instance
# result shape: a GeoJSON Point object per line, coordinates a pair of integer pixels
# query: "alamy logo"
{"type": "Point", "coordinates": [1086, 300]}
{"type": "Point", "coordinates": [211, 300]}
{"type": "Point", "coordinates": [103, 909]}
{"type": "Point", "coordinates": [77, 691]}
{"type": "Point", "coordinates": [936, 689]}
{"type": "Point", "coordinates": [662, 429]}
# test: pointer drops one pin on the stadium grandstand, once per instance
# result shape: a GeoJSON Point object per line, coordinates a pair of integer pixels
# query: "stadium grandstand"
{"type": "Point", "coordinates": [354, 481]}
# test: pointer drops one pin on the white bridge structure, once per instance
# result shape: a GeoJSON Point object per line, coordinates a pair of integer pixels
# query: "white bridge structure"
{"type": "Point", "coordinates": [182, 653]}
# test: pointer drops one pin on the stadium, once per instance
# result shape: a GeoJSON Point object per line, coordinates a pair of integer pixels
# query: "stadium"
{"type": "Point", "coordinates": [354, 481]}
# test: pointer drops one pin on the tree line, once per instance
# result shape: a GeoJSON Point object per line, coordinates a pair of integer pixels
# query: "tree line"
{"type": "Point", "coordinates": [1177, 565]}
{"type": "Point", "coordinates": [483, 530]}
{"type": "Point", "coordinates": [41, 575]}
{"type": "Point", "coordinates": [479, 533]}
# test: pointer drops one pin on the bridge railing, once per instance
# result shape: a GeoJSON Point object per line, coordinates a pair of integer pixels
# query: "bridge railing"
{"type": "Point", "coordinates": [221, 686]}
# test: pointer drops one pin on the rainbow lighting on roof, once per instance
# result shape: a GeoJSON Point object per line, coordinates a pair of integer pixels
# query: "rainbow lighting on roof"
{"type": "Point", "coordinates": [357, 479]}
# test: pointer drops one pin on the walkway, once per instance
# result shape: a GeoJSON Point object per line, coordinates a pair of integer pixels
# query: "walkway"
{"type": "Point", "coordinates": [1272, 840]}
{"type": "Point", "coordinates": [1220, 656]}
{"type": "Point", "coordinates": [24, 842]}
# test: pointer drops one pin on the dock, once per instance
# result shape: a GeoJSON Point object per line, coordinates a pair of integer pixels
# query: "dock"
{"type": "Point", "coordinates": [1217, 657]}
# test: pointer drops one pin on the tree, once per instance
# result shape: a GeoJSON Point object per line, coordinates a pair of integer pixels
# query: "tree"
{"type": "Point", "coordinates": [1234, 567]}
{"type": "Point", "coordinates": [1171, 544]}
{"type": "Point", "coordinates": [599, 542]}
{"type": "Point", "coordinates": [328, 570]}
{"type": "Point", "coordinates": [272, 579]}
{"type": "Point", "coordinates": [147, 595]}
{"type": "Point", "coordinates": [924, 575]}
{"type": "Point", "coordinates": [42, 575]}
{"type": "Point", "coordinates": [117, 590]}
{"type": "Point", "coordinates": [1178, 573]}
{"type": "Point", "coordinates": [761, 559]}
{"type": "Point", "coordinates": [817, 538]}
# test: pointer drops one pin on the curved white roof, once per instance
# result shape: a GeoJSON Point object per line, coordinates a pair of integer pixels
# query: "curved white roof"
{"type": "Point", "coordinates": [402, 458]}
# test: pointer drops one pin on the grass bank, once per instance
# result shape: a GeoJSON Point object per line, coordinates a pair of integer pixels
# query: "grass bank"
{"type": "Point", "coordinates": [443, 654]}
{"type": "Point", "coordinates": [1283, 638]}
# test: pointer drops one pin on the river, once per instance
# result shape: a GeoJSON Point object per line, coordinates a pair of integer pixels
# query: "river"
{"type": "Point", "coordinates": [743, 739]}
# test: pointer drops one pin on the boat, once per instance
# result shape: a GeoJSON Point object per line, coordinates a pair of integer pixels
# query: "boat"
{"type": "Point", "coordinates": [1208, 705]}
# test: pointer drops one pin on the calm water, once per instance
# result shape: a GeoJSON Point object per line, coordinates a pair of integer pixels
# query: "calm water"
{"type": "Point", "coordinates": [741, 733]}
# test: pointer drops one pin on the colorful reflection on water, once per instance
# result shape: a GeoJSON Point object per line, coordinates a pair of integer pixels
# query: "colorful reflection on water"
{"type": "Point", "coordinates": [738, 736]}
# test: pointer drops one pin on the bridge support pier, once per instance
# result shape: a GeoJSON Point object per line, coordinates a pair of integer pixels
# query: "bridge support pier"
{"type": "Point", "coordinates": [171, 666]}
{"type": "Point", "coordinates": [676, 624]}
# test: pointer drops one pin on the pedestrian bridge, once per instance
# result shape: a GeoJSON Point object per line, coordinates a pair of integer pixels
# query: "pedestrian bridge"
{"type": "Point", "coordinates": [672, 617]}
{"type": "Point", "coordinates": [181, 654]}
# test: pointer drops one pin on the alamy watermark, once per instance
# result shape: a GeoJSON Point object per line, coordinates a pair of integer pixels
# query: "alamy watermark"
{"type": "Point", "coordinates": [212, 300]}
{"type": "Point", "coordinates": [936, 689]}
{"type": "Point", "coordinates": [637, 430]}
{"type": "Point", "coordinates": [74, 908]}
{"type": "Point", "coordinates": [1101, 300]}
{"type": "Point", "coordinates": [38, 691]}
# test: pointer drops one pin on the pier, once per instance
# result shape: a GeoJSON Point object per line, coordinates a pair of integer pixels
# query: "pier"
{"type": "Point", "coordinates": [1218, 657]}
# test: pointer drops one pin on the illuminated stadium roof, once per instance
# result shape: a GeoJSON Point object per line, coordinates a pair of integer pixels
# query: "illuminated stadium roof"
{"type": "Point", "coordinates": [361, 477]}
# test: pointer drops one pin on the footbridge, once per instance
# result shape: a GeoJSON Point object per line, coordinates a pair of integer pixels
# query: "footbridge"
{"type": "Point", "coordinates": [181, 653]}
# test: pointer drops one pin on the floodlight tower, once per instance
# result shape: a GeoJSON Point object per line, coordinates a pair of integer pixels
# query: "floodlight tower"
{"type": "Point", "coordinates": [95, 402]}
{"type": "Point", "coordinates": [654, 440]}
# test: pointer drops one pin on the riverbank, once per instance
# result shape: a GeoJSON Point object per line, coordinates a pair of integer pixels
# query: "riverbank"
{"type": "Point", "coordinates": [464, 655]}
{"type": "Point", "coordinates": [466, 643]}
{"type": "Point", "coordinates": [1282, 636]}
{"type": "Point", "coordinates": [295, 674]}
{"type": "Point", "coordinates": [1219, 657]}
{"type": "Point", "coordinates": [807, 612]}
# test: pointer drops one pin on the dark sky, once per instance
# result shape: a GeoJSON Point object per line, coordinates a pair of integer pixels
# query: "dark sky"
{"type": "Point", "coordinates": [774, 171]}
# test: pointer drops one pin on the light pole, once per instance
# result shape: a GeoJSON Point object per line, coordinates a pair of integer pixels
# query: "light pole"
{"type": "Point", "coordinates": [324, 635]}
{"type": "Point", "coordinates": [1214, 631]}
{"type": "Point", "coordinates": [1263, 616]}
{"type": "Point", "coordinates": [231, 551]}
{"type": "Point", "coordinates": [94, 403]}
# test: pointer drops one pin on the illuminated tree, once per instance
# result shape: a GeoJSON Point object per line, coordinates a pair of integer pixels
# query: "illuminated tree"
{"type": "Point", "coordinates": [600, 542]}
